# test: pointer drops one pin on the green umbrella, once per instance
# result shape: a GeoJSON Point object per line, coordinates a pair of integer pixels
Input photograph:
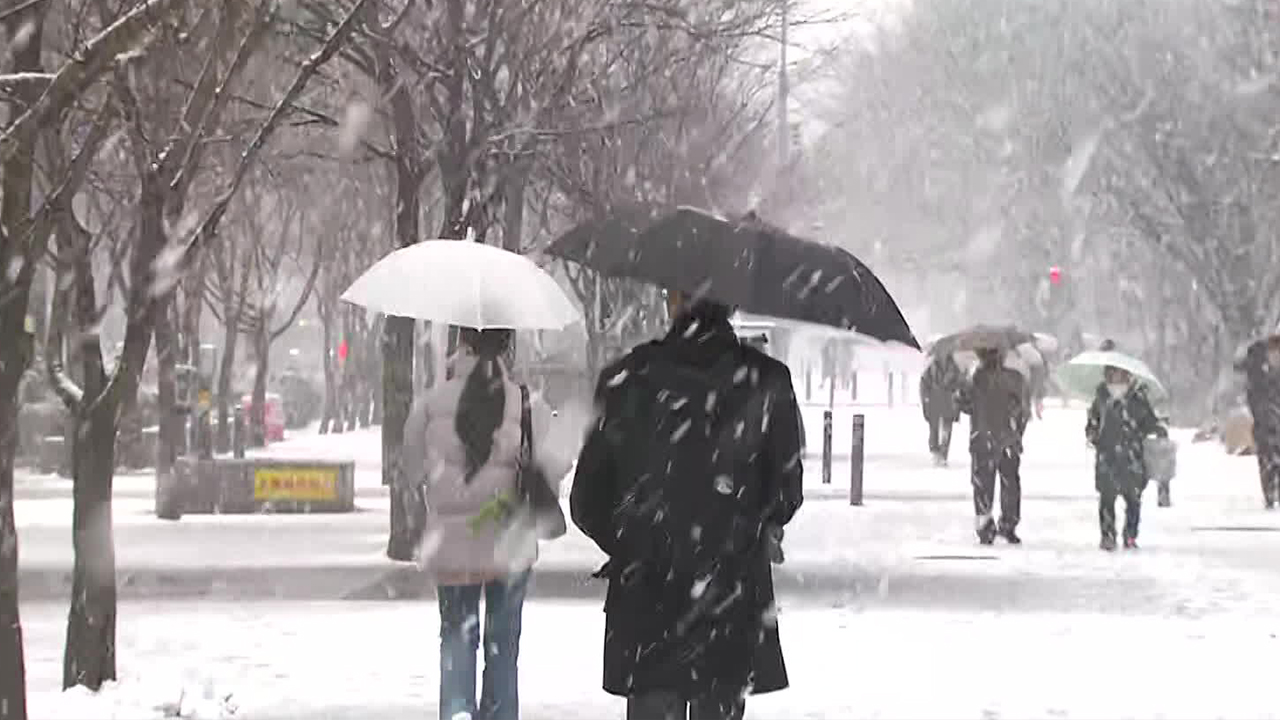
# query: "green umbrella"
{"type": "Point", "coordinates": [1083, 374]}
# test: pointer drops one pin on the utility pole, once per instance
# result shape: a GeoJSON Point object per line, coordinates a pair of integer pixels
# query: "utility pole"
{"type": "Point", "coordinates": [784, 131]}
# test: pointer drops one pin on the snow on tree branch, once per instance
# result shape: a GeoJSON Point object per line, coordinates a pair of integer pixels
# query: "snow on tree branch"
{"type": "Point", "coordinates": [83, 70]}
{"type": "Point", "coordinates": [333, 43]}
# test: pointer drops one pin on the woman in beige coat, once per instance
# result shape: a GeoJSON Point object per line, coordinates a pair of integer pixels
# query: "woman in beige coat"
{"type": "Point", "coordinates": [462, 442]}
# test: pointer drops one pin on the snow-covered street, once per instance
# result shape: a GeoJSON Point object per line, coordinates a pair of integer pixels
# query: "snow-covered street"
{"type": "Point", "coordinates": [889, 610]}
{"type": "Point", "coordinates": [378, 660]}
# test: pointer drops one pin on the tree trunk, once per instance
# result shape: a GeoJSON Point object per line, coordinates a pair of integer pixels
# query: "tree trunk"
{"type": "Point", "coordinates": [397, 332]}
{"type": "Point", "coordinates": [90, 657]}
{"type": "Point", "coordinates": [13, 361]}
{"type": "Point", "coordinates": [16, 348]}
{"type": "Point", "coordinates": [167, 354]}
{"type": "Point", "coordinates": [225, 370]}
{"type": "Point", "coordinates": [371, 360]}
{"type": "Point", "coordinates": [258, 418]}
{"type": "Point", "coordinates": [330, 381]}
{"type": "Point", "coordinates": [397, 395]}
{"type": "Point", "coordinates": [171, 422]}
{"type": "Point", "coordinates": [362, 381]}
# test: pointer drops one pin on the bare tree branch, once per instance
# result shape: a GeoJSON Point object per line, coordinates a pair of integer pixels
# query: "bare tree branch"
{"type": "Point", "coordinates": [331, 46]}
{"type": "Point", "coordinates": [81, 71]}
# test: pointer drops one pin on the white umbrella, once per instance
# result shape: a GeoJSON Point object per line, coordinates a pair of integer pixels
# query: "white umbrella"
{"type": "Point", "coordinates": [1082, 375]}
{"type": "Point", "coordinates": [466, 284]}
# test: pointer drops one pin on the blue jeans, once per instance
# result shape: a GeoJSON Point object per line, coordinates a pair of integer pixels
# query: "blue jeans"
{"type": "Point", "coordinates": [460, 637]}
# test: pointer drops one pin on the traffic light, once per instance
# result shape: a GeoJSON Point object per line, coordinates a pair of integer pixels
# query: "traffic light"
{"type": "Point", "coordinates": [1055, 275]}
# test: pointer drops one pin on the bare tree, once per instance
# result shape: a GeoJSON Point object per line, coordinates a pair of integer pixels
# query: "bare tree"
{"type": "Point", "coordinates": [162, 249]}
{"type": "Point", "coordinates": [37, 103]}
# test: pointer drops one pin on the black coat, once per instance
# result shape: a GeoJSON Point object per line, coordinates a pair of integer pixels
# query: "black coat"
{"type": "Point", "coordinates": [940, 386]}
{"type": "Point", "coordinates": [696, 452]}
{"type": "Point", "coordinates": [1116, 429]}
{"type": "Point", "coordinates": [996, 401]}
{"type": "Point", "coordinates": [1262, 392]}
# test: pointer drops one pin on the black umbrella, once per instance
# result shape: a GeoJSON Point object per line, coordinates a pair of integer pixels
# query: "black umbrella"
{"type": "Point", "coordinates": [749, 264]}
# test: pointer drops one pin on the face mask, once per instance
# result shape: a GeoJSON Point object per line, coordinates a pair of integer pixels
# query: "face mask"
{"type": "Point", "coordinates": [1117, 390]}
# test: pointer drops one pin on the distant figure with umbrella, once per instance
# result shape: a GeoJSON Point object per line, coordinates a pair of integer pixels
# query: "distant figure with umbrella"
{"type": "Point", "coordinates": [686, 483]}
{"type": "Point", "coordinates": [1120, 424]}
{"type": "Point", "coordinates": [1120, 419]}
{"type": "Point", "coordinates": [940, 387]}
{"type": "Point", "coordinates": [996, 401]}
{"type": "Point", "coordinates": [478, 471]}
{"type": "Point", "coordinates": [1261, 366]}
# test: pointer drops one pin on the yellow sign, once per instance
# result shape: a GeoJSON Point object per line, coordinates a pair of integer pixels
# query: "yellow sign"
{"type": "Point", "coordinates": [300, 484]}
{"type": "Point", "coordinates": [205, 399]}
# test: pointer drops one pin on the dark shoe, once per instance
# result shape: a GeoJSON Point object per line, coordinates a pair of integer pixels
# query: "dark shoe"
{"type": "Point", "coordinates": [986, 527]}
{"type": "Point", "coordinates": [1130, 543]}
{"type": "Point", "coordinates": [987, 533]}
{"type": "Point", "coordinates": [1011, 537]}
{"type": "Point", "coordinates": [1271, 504]}
{"type": "Point", "coordinates": [1108, 544]}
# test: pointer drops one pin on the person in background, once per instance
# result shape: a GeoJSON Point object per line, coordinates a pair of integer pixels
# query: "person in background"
{"type": "Point", "coordinates": [997, 405]}
{"type": "Point", "coordinates": [940, 386]}
{"type": "Point", "coordinates": [1261, 366]}
{"type": "Point", "coordinates": [463, 443]}
{"type": "Point", "coordinates": [694, 464]}
{"type": "Point", "coordinates": [1120, 418]}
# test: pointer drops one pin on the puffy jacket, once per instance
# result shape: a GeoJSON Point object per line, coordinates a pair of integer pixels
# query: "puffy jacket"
{"type": "Point", "coordinates": [461, 544]}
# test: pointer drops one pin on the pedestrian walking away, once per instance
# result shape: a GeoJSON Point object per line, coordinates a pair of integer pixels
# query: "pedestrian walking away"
{"type": "Point", "coordinates": [1261, 366]}
{"type": "Point", "coordinates": [940, 386]}
{"type": "Point", "coordinates": [1119, 421]}
{"type": "Point", "coordinates": [692, 468]}
{"type": "Point", "coordinates": [476, 445]}
{"type": "Point", "coordinates": [996, 401]}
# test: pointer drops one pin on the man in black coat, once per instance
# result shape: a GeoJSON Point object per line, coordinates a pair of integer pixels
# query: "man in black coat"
{"type": "Point", "coordinates": [940, 386]}
{"type": "Point", "coordinates": [694, 463]}
{"type": "Point", "coordinates": [996, 401]}
{"type": "Point", "coordinates": [1262, 391]}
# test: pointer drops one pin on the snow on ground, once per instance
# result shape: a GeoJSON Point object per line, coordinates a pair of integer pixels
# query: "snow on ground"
{"type": "Point", "coordinates": [380, 661]}
{"type": "Point", "coordinates": [890, 610]}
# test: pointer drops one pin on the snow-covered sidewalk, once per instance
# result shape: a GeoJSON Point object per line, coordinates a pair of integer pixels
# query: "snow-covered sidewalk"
{"type": "Point", "coordinates": [890, 610]}
{"type": "Point", "coordinates": [912, 510]}
{"type": "Point", "coordinates": [372, 661]}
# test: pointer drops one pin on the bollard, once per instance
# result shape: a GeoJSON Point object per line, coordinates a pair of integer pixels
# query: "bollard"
{"type": "Point", "coordinates": [855, 460]}
{"type": "Point", "coordinates": [826, 447]}
{"type": "Point", "coordinates": [237, 433]}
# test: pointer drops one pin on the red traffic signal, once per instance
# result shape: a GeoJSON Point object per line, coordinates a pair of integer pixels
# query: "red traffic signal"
{"type": "Point", "coordinates": [342, 350]}
{"type": "Point", "coordinates": [1055, 275]}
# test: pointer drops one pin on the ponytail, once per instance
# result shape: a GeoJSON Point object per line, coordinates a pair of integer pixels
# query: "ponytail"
{"type": "Point", "coordinates": [483, 402]}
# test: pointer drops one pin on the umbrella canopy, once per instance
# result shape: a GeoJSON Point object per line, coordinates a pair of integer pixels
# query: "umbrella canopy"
{"type": "Point", "coordinates": [1024, 358]}
{"type": "Point", "coordinates": [466, 284]}
{"type": "Point", "coordinates": [747, 263]}
{"type": "Point", "coordinates": [1082, 375]}
{"type": "Point", "coordinates": [1000, 337]}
